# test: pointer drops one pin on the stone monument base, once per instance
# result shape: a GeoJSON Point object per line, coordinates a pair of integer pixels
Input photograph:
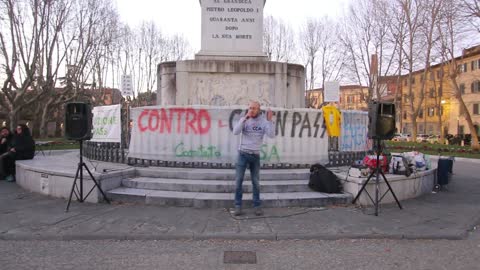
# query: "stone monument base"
{"type": "Point", "coordinates": [231, 82]}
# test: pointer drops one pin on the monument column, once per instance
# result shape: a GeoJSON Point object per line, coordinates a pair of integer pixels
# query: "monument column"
{"type": "Point", "coordinates": [232, 29]}
{"type": "Point", "coordinates": [231, 67]}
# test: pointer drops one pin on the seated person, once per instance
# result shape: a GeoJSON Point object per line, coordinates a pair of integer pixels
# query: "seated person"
{"type": "Point", "coordinates": [5, 143]}
{"type": "Point", "coordinates": [5, 140]}
{"type": "Point", "coordinates": [22, 148]}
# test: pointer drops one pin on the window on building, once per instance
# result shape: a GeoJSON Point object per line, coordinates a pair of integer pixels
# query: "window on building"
{"type": "Point", "coordinates": [461, 129]}
{"type": "Point", "coordinates": [474, 65]}
{"type": "Point", "coordinates": [420, 128]}
{"type": "Point", "coordinates": [420, 113]}
{"type": "Point", "coordinates": [440, 91]}
{"type": "Point", "coordinates": [431, 93]}
{"type": "Point", "coordinates": [440, 111]}
{"type": "Point", "coordinates": [431, 111]}
{"type": "Point", "coordinates": [413, 80]}
{"type": "Point", "coordinates": [462, 68]}
{"type": "Point", "coordinates": [462, 88]}
{"type": "Point", "coordinates": [440, 73]}
{"type": "Point", "coordinates": [421, 78]}
{"type": "Point", "coordinates": [404, 115]}
{"type": "Point", "coordinates": [429, 129]}
{"type": "Point", "coordinates": [350, 99]}
{"type": "Point", "coordinates": [475, 86]}
{"type": "Point", "coordinates": [475, 109]}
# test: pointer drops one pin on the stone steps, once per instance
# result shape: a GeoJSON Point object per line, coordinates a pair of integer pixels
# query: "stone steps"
{"type": "Point", "coordinates": [194, 187]}
{"type": "Point", "coordinates": [214, 186]}
{"type": "Point", "coordinates": [220, 174]}
{"type": "Point", "coordinates": [225, 200]}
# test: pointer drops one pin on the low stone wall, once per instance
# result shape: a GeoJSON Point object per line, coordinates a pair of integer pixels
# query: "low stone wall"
{"type": "Point", "coordinates": [404, 187]}
{"type": "Point", "coordinates": [54, 176]}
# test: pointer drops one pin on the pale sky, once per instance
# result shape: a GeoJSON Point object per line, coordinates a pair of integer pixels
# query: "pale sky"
{"type": "Point", "coordinates": [183, 16]}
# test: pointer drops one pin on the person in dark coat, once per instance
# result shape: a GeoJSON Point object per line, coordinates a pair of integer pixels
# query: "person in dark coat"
{"type": "Point", "coordinates": [22, 148]}
{"type": "Point", "coordinates": [6, 138]}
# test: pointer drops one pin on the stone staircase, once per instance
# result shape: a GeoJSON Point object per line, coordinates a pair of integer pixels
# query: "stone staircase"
{"type": "Point", "coordinates": [214, 188]}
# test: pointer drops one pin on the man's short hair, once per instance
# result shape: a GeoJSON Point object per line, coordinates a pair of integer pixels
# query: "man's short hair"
{"type": "Point", "coordinates": [255, 102]}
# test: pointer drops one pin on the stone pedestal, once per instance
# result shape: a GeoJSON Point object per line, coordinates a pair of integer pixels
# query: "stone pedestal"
{"type": "Point", "coordinates": [231, 82]}
{"type": "Point", "coordinates": [231, 67]}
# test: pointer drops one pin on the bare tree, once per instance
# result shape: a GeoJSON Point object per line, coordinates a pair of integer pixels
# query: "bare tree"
{"type": "Point", "coordinates": [152, 42]}
{"type": "Point", "coordinates": [278, 40]}
{"type": "Point", "coordinates": [84, 43]}
{"type": "Point", "coordinates": [21, 45]}
{"type": "Point", "coordinates": [471, 9]}
{"type": "Point", "coordinates": [414, 13]}
{"type": "Point", "coordinates": [179, 48]}
{"type": "Point", "coordinates": [397, 27]}
{"type": "Point", "coordinates": [310, 43]}
{"type": "Point", "coordinates": [424, 14]}
{"type": "Point", "coordinates": [322, 53]}
{"type": "Point", "coordinates": [368, 31]}
{"type": "Point", "coordinates": [51, 59]}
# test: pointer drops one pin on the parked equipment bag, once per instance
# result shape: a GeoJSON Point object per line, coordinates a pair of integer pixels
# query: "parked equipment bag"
{"type": "Point", "coordinates": [399, 165]}
{"type": "Point", "coordinates": [323, 180]}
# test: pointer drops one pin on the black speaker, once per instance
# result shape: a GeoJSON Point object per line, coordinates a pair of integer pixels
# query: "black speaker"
{"type": "Point", "coordinates": [78, 121]}
{"type": "Point", "coordinates": [381, 120]}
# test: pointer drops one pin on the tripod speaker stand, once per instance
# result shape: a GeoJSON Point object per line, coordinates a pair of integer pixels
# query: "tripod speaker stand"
{"type": "Point", "coordinates": [377, 172]}
{"type": "Point", "coordinates": [78, 190]}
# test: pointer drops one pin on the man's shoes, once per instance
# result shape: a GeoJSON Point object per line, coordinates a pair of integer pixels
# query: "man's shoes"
{"type": "Point", "coordinates": [258, 211]}
{"type": "Point", "coordinates": [237, 211]}
{"type": "Point", "coordinates": [10, 178]}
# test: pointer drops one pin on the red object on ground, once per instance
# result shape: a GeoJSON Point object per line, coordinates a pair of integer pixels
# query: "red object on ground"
{"type": "Point", "coordinates": [371, 162]}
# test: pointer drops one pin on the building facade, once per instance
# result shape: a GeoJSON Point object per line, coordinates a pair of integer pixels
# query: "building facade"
{"type": "Point", "coordinates": [352, 97]}
{"type": "Point", "coordinates": [440, 110]}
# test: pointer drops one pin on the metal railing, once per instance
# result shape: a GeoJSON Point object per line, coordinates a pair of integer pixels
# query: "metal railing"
{"type": "Point", "coordinates": [114, 152]}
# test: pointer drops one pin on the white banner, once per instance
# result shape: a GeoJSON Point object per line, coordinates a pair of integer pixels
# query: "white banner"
{"type": "Point", "coordinates": [332, 92]}
{"type": "Point", "coordinates": [204, 133]}
{"type": "Point", "coordinates": [106, 124]}
{"type": "Point", "coordinates": [353, 131]}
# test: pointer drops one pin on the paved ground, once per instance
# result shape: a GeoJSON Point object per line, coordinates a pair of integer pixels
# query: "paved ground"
{"type": "Point", "coordinates": [358, 254]}
{"type": "Point", "coordinates": [444, 215]}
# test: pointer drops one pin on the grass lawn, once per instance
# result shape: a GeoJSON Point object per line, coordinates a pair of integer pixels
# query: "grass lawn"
{"type": "Point", "coordinates": [433, 149]}
{"type": "Point", "coordinates": [56, 144]}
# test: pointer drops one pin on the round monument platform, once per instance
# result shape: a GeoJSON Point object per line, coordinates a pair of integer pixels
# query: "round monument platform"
{"type": "Point", "coordinates": [196, 187]}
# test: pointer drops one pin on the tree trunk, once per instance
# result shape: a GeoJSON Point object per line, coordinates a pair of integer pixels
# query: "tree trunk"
{"type": "Point", "coordinates": [473, 132]}
{"type": "Point", "coordinates": [414, 128]}
{"type": "Point", "coordinates": [13, 118]}
{"type": "Point", "coordinates": [44, 118]}
{"type": "Point", "coordinates": [312, 72]}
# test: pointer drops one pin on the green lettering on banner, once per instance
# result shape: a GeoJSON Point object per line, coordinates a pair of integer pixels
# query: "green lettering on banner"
{"type": "Point", "coordinates": [202, 151]}
{"type": "Point", "coordinates": [100, 131]}
{"type": "Point", "coordinates": [267, 154]}
{"type": "Point", "coordinates": [105, 120]}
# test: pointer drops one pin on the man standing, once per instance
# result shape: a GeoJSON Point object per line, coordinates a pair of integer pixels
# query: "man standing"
{"type": "Point", "coordinates": [252, 127]}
